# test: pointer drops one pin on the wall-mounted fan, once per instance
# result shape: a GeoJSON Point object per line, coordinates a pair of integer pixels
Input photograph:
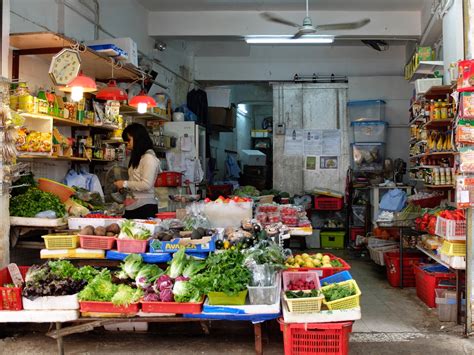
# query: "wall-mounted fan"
{"type": "Point", "coordinates": [309, 28]}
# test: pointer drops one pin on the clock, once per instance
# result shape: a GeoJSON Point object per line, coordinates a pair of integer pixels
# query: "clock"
{"type": "Point", "coordinates": [64, 66]}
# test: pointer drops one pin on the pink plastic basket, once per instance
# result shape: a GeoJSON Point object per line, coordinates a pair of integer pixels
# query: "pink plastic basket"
{"type": "Point", "coordinates": [131, 245]}
{"type": "Point", "coordinates": [96, 242]}
{"type": "Point", "coordinates": [307, 276]}
{"type": "Point", "coordinates": [451, 229]}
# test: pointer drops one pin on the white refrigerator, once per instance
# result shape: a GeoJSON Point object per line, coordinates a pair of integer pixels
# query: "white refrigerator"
{"type": "Point", "coordinates": [193, 130]}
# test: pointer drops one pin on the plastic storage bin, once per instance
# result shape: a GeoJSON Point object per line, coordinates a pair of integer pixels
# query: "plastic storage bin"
{"type": "Point", "coordinates": [316, 338]}
{"type": "Point", "coordinates": [306, 276]}
{"type": "Point", "coordinates": [61, 241]}
{"type": "Point", "coordinates": [96, 242]}
{"type": "Point", "coordinates": [265, 294]}
{"type": "Point", "coordinates": [428, 278]}
{"type": "Point", "coordinates": [10, 297]}
{"type": "Point", "coordinates": [358, 215]}
{"type": "Point", "coordinates": [369, 131]}
{"type": "Point", "coordinates": [366, 110]}
{"type": "Point", "coordinates": [392, 263]}
{"type": "Point", "coordinates": [131, 245]}
{"type": "Point", "coordinates": [322, 203]}
{"type": "Point", "coordinates": [346, 302]}
{"type": "Point", "coordinates": [332, 240]}
{"type": "Point", "coordinates": [368, 157]}
{"type": "Point", "coordinates": [220, 298]}
{"type": "Point", "coordinates": [339, 277]}
{"type": "Point", "coordinates": [446, 304]}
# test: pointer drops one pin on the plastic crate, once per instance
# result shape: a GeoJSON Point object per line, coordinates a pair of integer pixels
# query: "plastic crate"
{"type": "Point", "coordinates": [131, 245]}
{"type": "Point", "coordinates": [96, 242]}
{"type": "Point", "coordinates": [377, 253]}
{"type": "Point", "coordinates": [453, 249]}
{"type": "Point", "coordinates": [327, 271]}
{"type": "Point", "coordinates": [392, 264]}
{"type": "Point", "coordinates": [168, 179]}
{"type": "Point", "coordinates": [346, 302]}
{"type": "Point", "coordinates": [10, 297]}
{"type": "Point", "coordinates": [61, 241]}
{"type": "Point", "coordinates": [220, 298]}
{"type": "Point", "coordinates": [429, 202]}
{"type": "Point", "coordinates": [446, 304]}
{"type": "Point", "coordinates": [304, 305]}
{"type": "Point", "coordinates": [339, 277]}
{"type": "Point", "coordinates": [107, 307]}
{"type": "Point", "coordinates": [427, 282]}
{"type": "Point", "coordinates": [369, 131]}
{"type": "Point", "coordinates": [308, 276]}
{"type": "Point", "coordinates": [450, 229]}
{"type": "Point", "coordinates": [368, 157]}
{"type": "Point", "coordinates": [332, 240]}
{"type": "Point", "coordinates": [323, 203]}
{"type": "Point", "coordinates": [172, 307]}
{"type": "Point", "coordinates": [166, 215]}
{"type": "Point", "coordinates": [374, 242]}
{"type": "Point", "coordinates": [316, 338]}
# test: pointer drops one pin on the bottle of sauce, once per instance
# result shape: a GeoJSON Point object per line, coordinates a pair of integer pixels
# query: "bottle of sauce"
{"type": "Point", "coordinates": [444, 110]}
{"type": "Point", "coordinates": [437, 110]}
{"type": "Point", "coordinates": [432, 109]}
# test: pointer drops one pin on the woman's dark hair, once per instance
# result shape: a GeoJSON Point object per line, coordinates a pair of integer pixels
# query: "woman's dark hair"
{"type": "Point", "coordinates": [141, 142]}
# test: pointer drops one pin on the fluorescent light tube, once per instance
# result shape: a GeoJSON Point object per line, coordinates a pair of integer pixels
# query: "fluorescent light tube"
{"type": "Point", "coordinates": [288, 39]}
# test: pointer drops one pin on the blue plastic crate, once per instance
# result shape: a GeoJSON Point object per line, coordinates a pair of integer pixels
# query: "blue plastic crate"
{"type": "Point", "coordinates": [435, 268]}
{"type": "Point", "coordinates": [157, 246]}
{"type": "Point", "coordinates": [151, 258]}
{"type": "Point", "coordinates": [339, 277]}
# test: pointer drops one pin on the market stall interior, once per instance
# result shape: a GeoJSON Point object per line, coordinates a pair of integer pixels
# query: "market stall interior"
{"type": "Point", "coordinates": [329, 208]}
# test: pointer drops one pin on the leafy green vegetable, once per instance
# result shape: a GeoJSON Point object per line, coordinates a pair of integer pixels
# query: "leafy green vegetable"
{"type": "Point", "coordinates": [126, 295]}
{"type": "Point", "coordinates": [62, 268]}
{"type": "Point", "coordinates": [224, 272]}
{"type": "Point", "coordinates": [185, 291]}
{"type": "Point", "coordinates": [194, 267]}
{"type": "Point", "coordinates": [336, 263]}
{"type": "Point", "coordinates": [147, 275]}
{"type": "Point", "coordinates": [247, 191]}
{"type": "Point", "coordinates": [27, 179]}
{"type": "Point", "coordinates": [132, 265]}
{"type": "Point", "coordinates": [178, 263]}
{"type": "Point", "coordinates": [337, 292]}
{"type": "Point", "coordinates": [35, 201]}
{"type": "Point", "coordinates": [266, 252]}
{"type": "Point", "coordinates": [86, 273]}
{"type": "Point", "coordinates": [100, 288]}
{"type": "Point", "coordinates": [302, 294]}
{"type": "Point", "coordinates": [130, 230]}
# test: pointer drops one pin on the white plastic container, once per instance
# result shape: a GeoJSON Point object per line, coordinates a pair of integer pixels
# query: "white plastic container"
{"type": "Point", "coordinates": [76, 223]}
{"type": "Point", "coordinates": [423, 85]}
{"type": "Point", "coordinates": [265, 294]}
{"type": "Point", "coordinates": [366, 110]}
{"type": "Point", "coordinates": [369, 131]}
{"type": "Point", "coordinates": [222, 215]}
{"type": "Point", "coordinates": [446, 305]}
{"type": "Point", "coordinates": [57, 303]}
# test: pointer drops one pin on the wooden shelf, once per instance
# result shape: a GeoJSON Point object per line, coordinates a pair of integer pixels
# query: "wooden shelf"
{"type": "Point", "coordinates": [433, 154]}
{"type": "Point", "coordinates": [438, 124]}
{"type": "Point", "coordinates": [438, 92]}
{"type": "Point", "coordinates": [57, 121]}
{"type": "Point", "coordinates": [417, 119]}
{"type": "Point", "coordinates": [106, 128]}
{"type": "Point", "coordinates": [435, 257]}
{"type": "Point", "coordinates": [51, 157]}
{"type": "Point", "coordinates": [425, 68]}
{"type": "Point", "coordinates": [93, 63]}
{"type": "Point", "coordinates": [149, 115]}
{"type": "Point", "coordinates": [439, 186]}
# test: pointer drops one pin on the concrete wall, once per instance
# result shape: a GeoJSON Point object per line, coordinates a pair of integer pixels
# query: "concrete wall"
{"type": "Point", "coordinates": [453, 37]}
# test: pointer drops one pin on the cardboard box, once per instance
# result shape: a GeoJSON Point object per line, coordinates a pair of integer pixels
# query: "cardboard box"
{"type": "Point", "coordinates": [253, 157]}
{"type": "Point", "coordinates": [220, 116]}
{"type": "Point", "coordinates": [125, 43]}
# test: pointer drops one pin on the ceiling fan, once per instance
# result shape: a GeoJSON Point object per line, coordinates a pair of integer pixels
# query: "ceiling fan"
{"type": "Point", "coordinates": [309, 28]}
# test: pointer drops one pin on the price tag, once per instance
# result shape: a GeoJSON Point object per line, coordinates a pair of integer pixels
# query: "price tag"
{"type": "Point", "coordinates": [15, 274]}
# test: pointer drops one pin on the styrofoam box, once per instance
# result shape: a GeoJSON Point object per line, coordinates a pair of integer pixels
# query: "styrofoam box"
{"type": "Point", "coordinates": [366, 110]}
{"type": "Point", "coordinates": [152, 228]}
{"type": "Point", "coordinates": [230, 214]}
{"type": "Point", "coordinates": [369, 131]}
{"type": "Point", "coordinates": [127, 327]}
{"type": "Point", "coordinates": [76, 223]}
{"type": "Point", "coordinates": [253, 157]}
{"type": "Point", "coordinates": [125, 43]}
{"type": "Point", "coordinates": [56, 303]}
{"type": "Point", "coordinates": [423, 85]}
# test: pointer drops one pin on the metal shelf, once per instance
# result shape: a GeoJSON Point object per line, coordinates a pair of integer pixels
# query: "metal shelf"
{"type": "Point", "coordinates": [438, 124]}
{"type": "Point", "coordinates": [425, 68]}
{"type": "Point", "coordinates": [432, 154]}
{"type": "Point", "coordinates": [439, 186]}
{"type": "Point", "coordinates": [149, 115]}
{"type": "Point", "coordinates": [435, 258]}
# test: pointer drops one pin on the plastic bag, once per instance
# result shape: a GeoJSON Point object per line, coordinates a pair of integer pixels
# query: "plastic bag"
{"type": "Point", "coordinates": [46, 214]}
{"type": "Point", "coordinates": [394, 200]}
{"type": "Point", "coordinates": [188, 114]}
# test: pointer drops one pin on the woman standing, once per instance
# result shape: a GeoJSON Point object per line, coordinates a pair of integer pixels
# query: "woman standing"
{"type": "Point", "coordinates": [143, 169]}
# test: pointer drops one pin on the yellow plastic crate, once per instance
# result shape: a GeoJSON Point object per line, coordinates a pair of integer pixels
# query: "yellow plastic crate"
{"type": "Point", "coordinates": [304, 305]}
{"type": "Point", "coordinates": [453, 249]}
{"type": "Point", "coordinates": [61, 241]}
{"type": "Point", "coordinates": [347, 302]}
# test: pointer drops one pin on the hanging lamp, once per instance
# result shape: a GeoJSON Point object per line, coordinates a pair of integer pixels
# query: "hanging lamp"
{"type": "Point", "coordinates": [79, 85]}
{"type": "Point", "coordinates": [142, 102]}
{"type": "Point", "coordinates": [111, 92]}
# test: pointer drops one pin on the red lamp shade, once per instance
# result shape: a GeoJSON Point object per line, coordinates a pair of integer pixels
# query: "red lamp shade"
{"type": "Point", "coordinates": [86, 83]}
{"type": "Point", "coordinates": [111, 92]}
{"type": "Point", "coordinates": [142, 98]}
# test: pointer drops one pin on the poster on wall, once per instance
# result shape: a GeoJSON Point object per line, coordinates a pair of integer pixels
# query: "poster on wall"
{"type": "Point", "coordinates": [294, 142]}
{"type": "Point", "coordinates": [310, 163]}
{"type": "Point", "coordinates": [331, 142]}
{"type": "Point", "coordinates": [328, 162]}
{"type": "Point", "coordinates": [312, 142]}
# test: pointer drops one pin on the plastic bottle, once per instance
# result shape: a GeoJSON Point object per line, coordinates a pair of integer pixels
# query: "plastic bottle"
{"type": "Point", "coordinates": [432, 109]}
{"type": "Point", "coordinates": [444, 110]}
{"type": "Point", "coordinates": [437, 110]}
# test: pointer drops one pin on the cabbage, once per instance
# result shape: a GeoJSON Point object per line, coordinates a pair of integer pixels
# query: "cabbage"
{"type": "Point", "coordinates": [151, 297]}
{"type": "Point", "coordinates": [166, 295]}
{"type": "Point", "coordinates": [129, 230]}
{"type": "Point", "coordinates": [126, 295]}
{"type": "Point", "coordinates": [182, 278]}
{"type": "Point", "coordinates": [178, 263]}
{"type": "Point", "coordinates": [162, 283]}
{"type": "Point", "coordinates": [184, 291]}
{"type": "Point", "coordinates": [147, 275]}
{"type": "Point", "coordinates": [194, 267]}
{"type": "Point", "coordinates": [100, 288]}
{"type": "Point", "coordinates": [132, 265]}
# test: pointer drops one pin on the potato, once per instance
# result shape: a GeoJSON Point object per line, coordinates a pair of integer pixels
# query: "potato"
{"type": "Point", "coordinates": [87, 230]}
{"type": "Point", "coordinates": [100, 231]}
{"type": "Point", "coordinates": [110, 234]}
{"type": "Point", "coordinates": [114, 228]}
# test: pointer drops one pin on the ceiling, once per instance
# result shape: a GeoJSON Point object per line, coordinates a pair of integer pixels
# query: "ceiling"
{"type": "Point", "coordinates": [282, 5]}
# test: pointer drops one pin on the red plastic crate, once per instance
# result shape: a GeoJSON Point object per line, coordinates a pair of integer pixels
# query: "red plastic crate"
{"type": "Point", "coordinates": [426, 282]}
{"type": "Point", "coordinates": [166, 215]}
{"type": "Point", "coordinates": [131, 245]}
{"type": "Point", "coordinates": [96, 242]}
{"type": "Point", "coordinates": [172, 307]}
{"type": "Point", "coordinates": [107, 307]}
{"type": "Point", "coordinates": [355, 231]}
{"type": "Point", "coordinates": [10, 297]}
{"type": "Point", "coordinates": [322, 203]}
{"type": "Point", "coordinates": [326, 271]}
{"type": "Point", "coordinates": [316, 338]}
{"type": "Point", "coordinates": [392, 263]}
{"type": "Point", "coordinates": [429, 202]}
{"type": "Point", "coordinates": [168, 179]}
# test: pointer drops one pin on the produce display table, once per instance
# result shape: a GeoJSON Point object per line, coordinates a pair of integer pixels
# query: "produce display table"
{"type": "Point", "coordinates": [84, 324]}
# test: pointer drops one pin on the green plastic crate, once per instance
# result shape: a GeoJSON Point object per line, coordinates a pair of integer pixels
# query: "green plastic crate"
{"type": "Point", "coordinates": [220, 298]}
{"type": "Point", "coordinates": [332, 240]}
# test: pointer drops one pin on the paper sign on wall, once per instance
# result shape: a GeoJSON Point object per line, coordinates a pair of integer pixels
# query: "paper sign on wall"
{"type": "Point", "coordinates": [331, 142]}
{"type": "Point", "coordinates": [310, 163]}
{"type": "Point", "coordinates": [328, 162]}
{"type": "Point", "coordinates": [312, 142]}
{"type": "Point", "coordinates": [294, 142]}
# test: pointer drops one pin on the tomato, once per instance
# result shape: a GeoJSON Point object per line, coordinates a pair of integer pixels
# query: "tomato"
{"type": "Point", "coordinates": [207, 200]}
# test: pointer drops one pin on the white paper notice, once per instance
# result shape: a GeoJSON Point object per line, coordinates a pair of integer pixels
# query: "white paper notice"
{"type": "Point", "coordinates": [312, 142]}
{"type": "Point", "coordinates": [331, 142]}
{"type": "Point", "coordinates": [294, 142]}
